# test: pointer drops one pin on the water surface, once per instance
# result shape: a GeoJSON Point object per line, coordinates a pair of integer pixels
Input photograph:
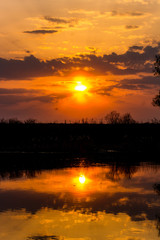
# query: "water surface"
{"type": "Point", "coordinates": [81, 203]}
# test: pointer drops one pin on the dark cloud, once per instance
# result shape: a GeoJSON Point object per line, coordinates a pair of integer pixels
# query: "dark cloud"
{"type": "Point", "coordinates": [128, 63]}
{"type": "Point", "coordinates": [43, 237]}
{"type": "Point", "coordinates": [17, 91]}
{"type": "Point", "coordinates": [131, 58]}
{"type": "Point", "coordinates": [57, 20]}
{"type": "Point", "coordinates": [135, 206]}
{"type": "Point", "coordinates": [41, 31]}
{"type": "Point", "coordinates": [136, 60]}
{"type": "Point", "coordinates": [62, 22]}
{"type": "Point", "coordinates": [24, 69]}
{"type": "Point", "coordinates": [136, 48]}
{"type": "Point", "coordinates": [132, 26]}
{"type": "Point", "coordinates": [132, 86]}
{"type": "Point", "coordinates": [132, 14]}
{"type": "Point", "coordinates": [136, 14]}
{"type": "Point", "coordinates": [20, 95]}
{"type": "Point", "coordinates": [58, 27]}
{"type": "Point", "coordinates": [15, 99]}
{"type": "Point", "coordinates": [145, 82]}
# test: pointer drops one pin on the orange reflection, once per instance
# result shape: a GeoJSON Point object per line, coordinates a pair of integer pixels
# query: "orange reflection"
{"type": "Point", "coordinates": [94, 199]}
{"type": "Point", "coordinates": [73, 180]}
{"type": "Point", "coordinates": [81, 182]}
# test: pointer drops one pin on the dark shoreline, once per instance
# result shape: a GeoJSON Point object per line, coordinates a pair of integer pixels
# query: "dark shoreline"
{"type": "Point", "coordinates": [46, 146]}
{"type": "Point", "coordinates": [79, 138]}
{"type": "Point", "coordinates": [21, 161]}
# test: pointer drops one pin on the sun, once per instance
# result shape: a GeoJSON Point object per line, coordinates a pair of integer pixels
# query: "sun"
{"type": "Point", "coordinates": [82, 179]}
{"type": "Point", "coordinates": [80, 87]}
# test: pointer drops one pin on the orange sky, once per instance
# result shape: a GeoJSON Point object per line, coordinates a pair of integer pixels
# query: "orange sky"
{"type": "Point", "coordinates": [50, 47]}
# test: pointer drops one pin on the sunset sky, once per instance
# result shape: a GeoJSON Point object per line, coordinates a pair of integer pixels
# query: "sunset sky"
{"type": "Point", "coordinates": [72, 59]}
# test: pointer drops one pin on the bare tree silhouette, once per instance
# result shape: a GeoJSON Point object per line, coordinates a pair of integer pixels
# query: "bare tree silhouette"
{"type": "Point", "coordinates": [156, 99]}
{"type": "Point", "coordinates": [115, 118]}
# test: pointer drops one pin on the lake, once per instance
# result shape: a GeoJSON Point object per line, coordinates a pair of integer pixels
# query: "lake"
{"type": "Point", "coordinates": [86, 201]}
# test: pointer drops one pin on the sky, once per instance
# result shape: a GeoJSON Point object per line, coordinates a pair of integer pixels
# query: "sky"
{"type": "Point", "coordinates": [72, 59]}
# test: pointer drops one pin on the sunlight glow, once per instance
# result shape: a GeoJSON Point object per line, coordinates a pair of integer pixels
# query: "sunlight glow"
{"type": "Point", "coordinates": [80, 87]}
{"type": "Point", "coordinates": [82, 179]}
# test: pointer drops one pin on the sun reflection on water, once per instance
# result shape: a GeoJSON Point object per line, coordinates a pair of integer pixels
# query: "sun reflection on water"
{"type": "Point", "coordinates": [84, 202]}
{"type": "Point", "coordinates": [81, 182]}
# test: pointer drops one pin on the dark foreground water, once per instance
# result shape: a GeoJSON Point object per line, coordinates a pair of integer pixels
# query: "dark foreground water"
{"type": "Point", "coordinates": [96, 202]}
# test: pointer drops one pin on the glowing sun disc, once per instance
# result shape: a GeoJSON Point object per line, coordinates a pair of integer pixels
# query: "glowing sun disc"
{"type": "Point", "coordinates": [82, 179]}
{"type": "Point", "coordinates": [80, 88]}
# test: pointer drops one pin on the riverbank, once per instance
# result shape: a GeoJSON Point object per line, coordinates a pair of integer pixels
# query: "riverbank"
{"type": "Point", "coordinates": [79, 139]}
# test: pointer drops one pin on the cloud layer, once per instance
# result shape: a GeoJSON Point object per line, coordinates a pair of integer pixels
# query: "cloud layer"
{"type": "Point", "coordinates": [134, 71]}
{"type": "Point", "coordinates": [41, 31]}
{"type": "Point", "coordinates": [136, 60]}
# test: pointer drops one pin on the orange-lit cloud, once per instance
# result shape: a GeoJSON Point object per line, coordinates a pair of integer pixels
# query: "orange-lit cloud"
{"type": "Point", "coordinates": [45, 43]}
{"type": "Point", "coordinates": [133, 62]}
{"type": "Point", "coordinates": [51, 84]}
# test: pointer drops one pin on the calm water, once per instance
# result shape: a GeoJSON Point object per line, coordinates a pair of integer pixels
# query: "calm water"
{"type": "Point", "coordinates": [81, 203]}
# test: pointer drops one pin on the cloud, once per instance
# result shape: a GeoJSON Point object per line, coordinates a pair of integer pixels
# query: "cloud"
{"type": "Point", "coordinates": [27, 68]}
{"type": "Point", "coordinates": [105, 202]}
{"type": "Point", "coordinates": [21, 95]}
{"type": "Point", "coordinates": [142, 83]}
{"type": "Point", "coordinates": [17, 91]}
{"type": "Point", "coordinates": [41, 31]}
{"type": "Point", "coordinates": [43, 237]}
{"type": "Point", "coordinates": [136, 48]}
{"type": "Point", "coordinates": [62, 22]}
{"type": "Point", "coordinates": [115, 13]}
{"type": "Point", "coordinates": [57, 20]}
{"type": "Point", "coordinates": [15, 99]}
{"type": "Point", "coordinates": [135, 60]}
{"type": "Point", "coordinates": [131, 27]}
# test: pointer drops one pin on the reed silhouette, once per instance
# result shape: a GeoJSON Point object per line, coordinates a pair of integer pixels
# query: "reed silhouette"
{"type": "Point", "coordinates": [156, 187]}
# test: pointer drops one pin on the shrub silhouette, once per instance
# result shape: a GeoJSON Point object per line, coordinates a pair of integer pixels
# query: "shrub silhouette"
{"type": "Point", "coordinates": [115, 118]}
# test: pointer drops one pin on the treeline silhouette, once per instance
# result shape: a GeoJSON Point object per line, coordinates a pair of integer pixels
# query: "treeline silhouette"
{"type": "Point", "coordinates": [119, 133]}
{"type": "Point", "coordinates": [113, 117]}
{"type": "Point", "coordinates": [79, 138]}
